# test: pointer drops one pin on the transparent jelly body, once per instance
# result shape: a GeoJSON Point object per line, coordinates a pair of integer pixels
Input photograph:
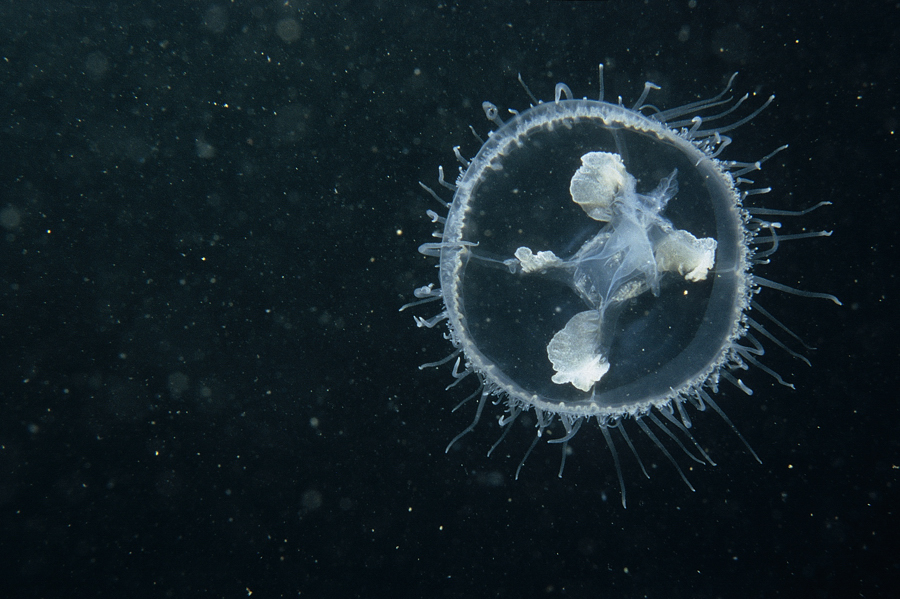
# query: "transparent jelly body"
{"type": "Point", "coordinates": [660, 333]}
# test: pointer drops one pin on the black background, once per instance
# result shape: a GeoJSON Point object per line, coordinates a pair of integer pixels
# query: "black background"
{"type": "Point", "coordinates": [211, 212]}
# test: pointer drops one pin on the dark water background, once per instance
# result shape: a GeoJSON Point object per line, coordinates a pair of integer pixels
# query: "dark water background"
{"type": "Point", "coordinates": [210, 215]}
